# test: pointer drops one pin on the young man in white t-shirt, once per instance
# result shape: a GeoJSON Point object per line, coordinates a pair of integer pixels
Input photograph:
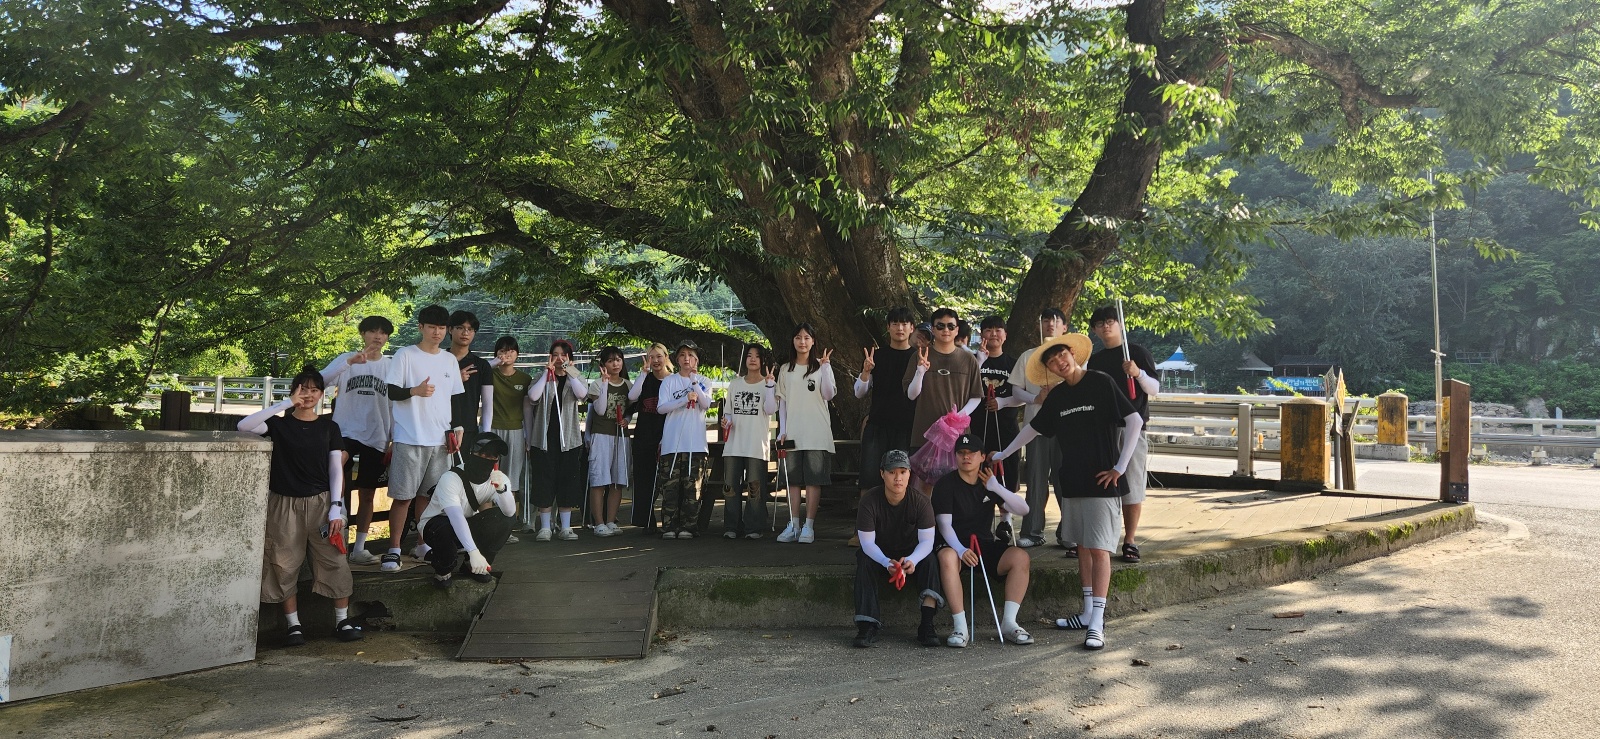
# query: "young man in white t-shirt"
{"type": "Point", "coordinates": [362, 412]}
{"type": "Point", "coordinates": [422, 378]}
{"type": "Point", "coordinates": [685, 396]}
{"type": "Point", "coordinates": [461, 494]}
{"type": "Point", "coordinates": [1041, 457]}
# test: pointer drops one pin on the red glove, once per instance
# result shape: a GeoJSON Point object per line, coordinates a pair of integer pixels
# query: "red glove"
{"type": "Point", "coordinates": [897, 577]}
{"type": "Point", "coordinates": [336, 538]}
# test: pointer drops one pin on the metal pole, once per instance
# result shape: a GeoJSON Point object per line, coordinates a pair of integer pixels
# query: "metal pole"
{"type": "Point", "coordinates": [1438, 356]}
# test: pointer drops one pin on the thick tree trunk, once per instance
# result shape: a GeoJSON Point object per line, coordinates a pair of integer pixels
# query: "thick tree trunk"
{"type": "Point", "coordinates": [1114, 193]}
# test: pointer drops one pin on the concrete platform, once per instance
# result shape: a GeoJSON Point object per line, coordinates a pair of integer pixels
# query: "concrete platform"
{"type": "Point", "coordinates": [1196, 543]}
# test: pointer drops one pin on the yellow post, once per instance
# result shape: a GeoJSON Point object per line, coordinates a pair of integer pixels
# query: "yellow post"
{"type": "Point", "coordinates": [1303, 425]}
{"type": "Point", "coordinates": [1392, 409]}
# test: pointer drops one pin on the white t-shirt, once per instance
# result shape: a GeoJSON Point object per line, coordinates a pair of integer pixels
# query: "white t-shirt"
{"type": "Point", "coordinates": [450, 492]}
{"type": "Point", "coordinates": [420, 421]}
{"type": "Point", "coordinates": [1019, 379]}
{"type": "Point", "coordinates": [362, 407]}
{"type": "Point", "coordinates": [809, 424]}
{"type": "Point", "coordinates": [746, 409]}
{"type": "Point", "coordinates": [685, 427]}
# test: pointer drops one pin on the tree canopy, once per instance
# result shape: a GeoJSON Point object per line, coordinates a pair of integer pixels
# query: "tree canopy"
{"type": "Point", "coordinates": [177, 175]}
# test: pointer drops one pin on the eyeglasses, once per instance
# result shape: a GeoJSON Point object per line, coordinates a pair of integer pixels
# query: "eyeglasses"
{"type": "Point", "coordinates": [945, 326]}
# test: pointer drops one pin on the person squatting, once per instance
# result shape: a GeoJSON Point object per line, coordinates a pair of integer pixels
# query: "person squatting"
{"type": "Point", "coordinates": [487, 450]}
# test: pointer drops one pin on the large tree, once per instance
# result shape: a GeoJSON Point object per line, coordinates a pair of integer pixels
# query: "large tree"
{"type": "Point", "coordinates": [217, 167]}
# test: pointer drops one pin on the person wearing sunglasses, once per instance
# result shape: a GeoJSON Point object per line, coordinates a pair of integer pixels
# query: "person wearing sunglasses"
{"type": "Point", "coordinates": [944, 377]}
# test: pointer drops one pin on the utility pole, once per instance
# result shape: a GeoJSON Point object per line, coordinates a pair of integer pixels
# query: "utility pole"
{"type": "Point", "coordinates": [1438, 356]}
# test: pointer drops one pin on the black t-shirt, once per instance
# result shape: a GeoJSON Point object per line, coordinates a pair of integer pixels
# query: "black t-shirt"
{"type": "Point", "coordinates": [895, 525]}
{"type": "Point", "coordinates": [1086, 421]}
{"type": "Point", "coordinates": [890, 406]}
{"type": "Point", "coordinates": [650, 424]}
{"type": "Point", "coordinates": [1109, 361]}
{"type": "Point", "coordinates": [996, 373]}
{"type": "Point", "coordinates": [464, 407]}
{"type": "Point", "coordinates": [971, 507]}
{"type": "Point", "coordinates": [300, 454]}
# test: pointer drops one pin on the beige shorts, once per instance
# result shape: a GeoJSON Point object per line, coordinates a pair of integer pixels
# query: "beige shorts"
{"type": "Point", "coordinates": [295, 525]}
{"type": "Point", "coordinates": [1137, 476]}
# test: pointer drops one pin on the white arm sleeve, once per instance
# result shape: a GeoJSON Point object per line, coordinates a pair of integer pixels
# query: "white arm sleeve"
{"type": "Point", "coordinates": [1011, 402]}
{"type": "Point", "coordinates": [1014, 503]}
{"type": "Point", "coordinates": [1027, 434]}
{"type": "Point", "coordinates": [869, 547]}
{"type": "Point", "coordinates": [487, 408]}
{"type": "Point", "coordinates": [507, 502]}
{"type": "Point", "coordinates": [783, 418]}
{"type": "Point", "coordinates": [256, 423]}
{"type": "Point", "coordinates": [1132, 426]}
{"type": "Point", "coordinates": [769, 400]}
{"type": "Point", "coordinates": [336, 476]}
{"type": "Point", "coordinates": [861, 387]}
{"type": "Point", "coordinates": [971, 406]}
{"type": "Point", "coordinates": [924, 546]}
{"type": "Point", "coordinates": [580, 387]}
{"type": "Point", "coordinates": [947, 530]}
{"type": "Point", "coordinates": [336, 369]}
{"type": "Point", "coordinates": [597, 403]}
{"type": "Point", "coordinates": [915, 388]}
{"type": "Point", "coordinates": [1026, 397]}
{"type": "Point", "coordinates": [458, 522]}
{"type": "Point", "coordinates": [536, 390]}
{"type": "Point", "coordinates": [827, 386]}
{"type": "Point", "coordinates": [1151, 385]}
{"type": "Point", "coordinates": [638, 387]}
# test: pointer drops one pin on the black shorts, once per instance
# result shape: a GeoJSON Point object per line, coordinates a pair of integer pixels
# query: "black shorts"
{"type": "Point", "coordinates": [992, 552]}
{"type": "Point", "coordinates": [371, 473]}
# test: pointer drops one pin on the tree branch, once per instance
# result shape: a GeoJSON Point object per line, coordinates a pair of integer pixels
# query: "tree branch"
{"type": "Point", "coordinates": [1338, 68]}
{"type": "Point", "coordinates": [472, 13]}
{"type": "Point", "coordinates": [1507, 56]}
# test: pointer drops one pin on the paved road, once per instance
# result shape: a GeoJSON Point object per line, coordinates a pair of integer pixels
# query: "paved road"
{"type": "Point", "coordinates": [1485, 634]}
{"type": "Point", "coordinates": [1548, 486]}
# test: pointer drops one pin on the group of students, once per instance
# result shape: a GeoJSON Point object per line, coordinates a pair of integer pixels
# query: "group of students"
{"type": "Point", "coordinates": [465, 436]}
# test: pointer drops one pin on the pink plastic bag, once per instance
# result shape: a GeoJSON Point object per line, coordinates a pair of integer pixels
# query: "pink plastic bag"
{"type": "Point", "coordinates": [938, 457]}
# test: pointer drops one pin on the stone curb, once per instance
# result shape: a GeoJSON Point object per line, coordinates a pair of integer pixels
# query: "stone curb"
{"type": "Point", "coordinates": [772, 597]}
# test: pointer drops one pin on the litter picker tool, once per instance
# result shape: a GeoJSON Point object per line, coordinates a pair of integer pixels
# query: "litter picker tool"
{"type": "Point", "coordinates": [987, 588]}
{"type": "Point", "coordinates": [1123, 327]}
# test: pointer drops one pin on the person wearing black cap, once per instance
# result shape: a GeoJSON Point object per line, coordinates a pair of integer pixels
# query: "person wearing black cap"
{"type": "Point", "coordinates": [896, 533]}
{"type": "Point", "coordinates": [684, 398]}
{"type": "Point", "coordinates": [964, 505]}
{"type": "Point", "coordinates": [1096, 428]}
{"type": "Point", "coordinates": [463, 492]}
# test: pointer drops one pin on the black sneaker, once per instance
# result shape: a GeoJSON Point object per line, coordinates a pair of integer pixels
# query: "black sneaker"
{"type": "Point", "coordinates": [485, 577]}
{"type": "Point", "coordinates": [1003, 533]}
{"type": "Point", "coordinates": [928, 637]}
{"type": "Point", "coordinates": [442, 582]}
{"type": "Point", "coordinates": [347, 630]}
{"type": "Point", "coordinates": [866, 634]}
{"type": "Point", "coordinates": [295, 636]}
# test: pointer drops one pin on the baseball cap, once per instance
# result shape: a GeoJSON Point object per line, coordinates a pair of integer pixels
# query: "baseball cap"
{"type": "Point", "coordinates": [896, 459]}
{"type": "Point", "coordinates": [687, 344]}
{"type": "Point", "coordinates": [969, 443]}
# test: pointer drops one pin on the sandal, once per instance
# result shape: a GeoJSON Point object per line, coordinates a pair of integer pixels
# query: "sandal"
{"type": "Point", "coordinates": [1130, 553]}
{"type": "Point", "coordinates": [1019, 636]}
{"type": "Point", "coordinates": [1094, 640]}
{"type": "Point", "coordinates": [1074, 622]}
{"type": "Point", "coordinates": [1072, 552]}
{"type": "Point", "coordinates": [347, 630]}
{"type": "Point", "coordinates": [957, 639]}
{"type": "Point", "coordinates": [295, 636]}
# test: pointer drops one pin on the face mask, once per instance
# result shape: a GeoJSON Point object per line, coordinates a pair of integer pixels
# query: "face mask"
{"type": "Point", "coordinates": [478, 469]}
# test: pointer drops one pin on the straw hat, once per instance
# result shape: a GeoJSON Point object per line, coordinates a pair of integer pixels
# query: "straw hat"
{"type": "Point", "coordinates": [1040, 375]}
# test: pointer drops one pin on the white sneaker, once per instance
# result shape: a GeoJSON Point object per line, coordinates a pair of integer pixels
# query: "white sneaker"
{"type": "Point", "coordinates": [669, 534]}
{"type": "Point", "coordinates": [686, 534]}
{"type": "Point", "coordinates": [362, 557]}
{"type": "Point", "coordinates": [512, 539]}
{"type": "Point", "coordinates": [730, 534]}
{"type": "Point", "coordinates": [602, 530]}
{"type": "Point", "coordinates": [790, 533]}
{"type": "Point", "coordinates": [753, 535]}
{"type": "Point", "coordinates": [420, 551]}
{"type": "Point", "coordinates": [1027, 542]}
{"type": "Point", "coordinates": [957, 639]}
{"type": "Point", "coordinates": [567, 534]}
{"type": "Point", "coordinates": [807, 535]}
{"type": "Point", "coordinates": [543, 535]}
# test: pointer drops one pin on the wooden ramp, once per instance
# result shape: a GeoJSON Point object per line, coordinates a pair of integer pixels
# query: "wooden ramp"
{"type": "Point", "coordinates": [577, 613]}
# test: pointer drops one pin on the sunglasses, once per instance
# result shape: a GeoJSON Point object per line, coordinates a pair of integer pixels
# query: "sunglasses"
{"type": "Point", "coordinates": [945, 326]}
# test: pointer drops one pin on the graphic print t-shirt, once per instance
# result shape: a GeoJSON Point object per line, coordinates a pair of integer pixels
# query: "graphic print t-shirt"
{"type": "Point", "coordinates": [1086, 421]}
{"type": "Point", "coordinates": [747, 436]}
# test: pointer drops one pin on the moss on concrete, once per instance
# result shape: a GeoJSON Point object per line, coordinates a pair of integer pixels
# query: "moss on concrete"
{"type": "Point", "coordinates": [1405, 530]}
{"type": "Point", "coordinates": [1127, 580]}
{"type": "Point", "coordinates": [748, 591]}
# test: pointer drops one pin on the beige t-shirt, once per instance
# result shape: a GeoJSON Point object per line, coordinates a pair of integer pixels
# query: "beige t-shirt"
{"type": "Point", "coordinates": [952, 380]}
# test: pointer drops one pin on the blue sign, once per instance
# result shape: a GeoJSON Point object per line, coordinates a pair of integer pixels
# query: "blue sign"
{"type": "Point", "coordinates": [1300, 384]}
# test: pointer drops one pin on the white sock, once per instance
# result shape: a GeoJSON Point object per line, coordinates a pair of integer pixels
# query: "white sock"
{"type": "Point", "coordinates": [394, 550]}
{"type": "Point", "coordinates": [422, 550]}
{"type": "Point", "coordinates": [1097, 618]}
{"type": "Point", "coordinates": [808, 524]}
{"type": "Point", "coordinates": [361, 540]}
{"type": "Point", "coordinates": [293, 617]}
{"type": "Point", "coordinates": [340, 614]}
{"type": "Point", "coordinates": [1088, 605]}
{"type": "Point", "coordinates": [960, 620]}
{"type": "Point", "coordinates": [1008, 619]}
{"type": "Point", "coordinates": [544, 520]}
{"type": "Point", "coordinates": [566, 519]}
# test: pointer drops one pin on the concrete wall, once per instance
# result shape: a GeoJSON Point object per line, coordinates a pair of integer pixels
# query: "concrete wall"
{"type": "Point", "coordinates": [127, 554]}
